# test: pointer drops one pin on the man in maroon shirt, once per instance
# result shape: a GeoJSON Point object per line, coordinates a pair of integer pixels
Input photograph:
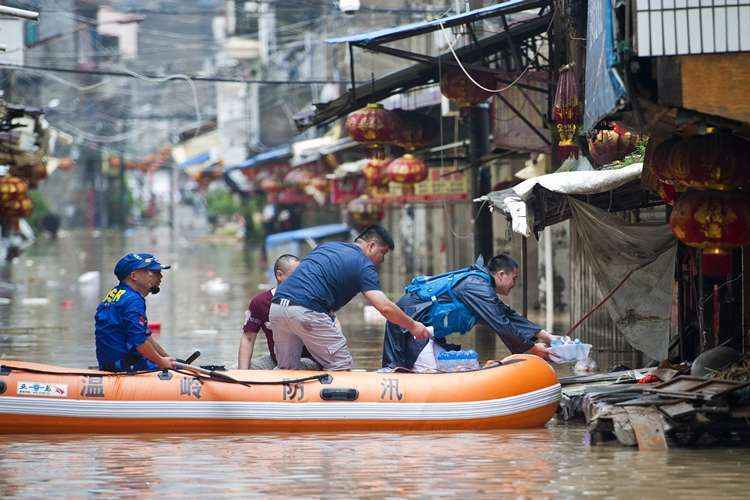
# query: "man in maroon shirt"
{"type": "Point", "coordinates": [256, 319]}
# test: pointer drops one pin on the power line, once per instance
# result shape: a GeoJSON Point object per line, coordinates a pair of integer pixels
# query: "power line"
{"type": "Point", "coordinates": [196, 78]}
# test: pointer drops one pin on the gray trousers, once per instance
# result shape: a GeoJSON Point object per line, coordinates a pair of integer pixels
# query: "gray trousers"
{"type": "Point", "coordinates": [295, 326]}
{"type": "Point", "coordinates": [266, 363]}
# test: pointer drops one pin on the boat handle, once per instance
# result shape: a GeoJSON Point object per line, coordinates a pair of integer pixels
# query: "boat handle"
{"type": "Point", "coordinates": [339, 394]}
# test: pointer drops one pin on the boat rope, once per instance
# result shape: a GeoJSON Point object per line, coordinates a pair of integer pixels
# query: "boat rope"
{"type": "Point", "coordinates": [220, 377]}
{"type": "Point", "coordinates": [199, 373]}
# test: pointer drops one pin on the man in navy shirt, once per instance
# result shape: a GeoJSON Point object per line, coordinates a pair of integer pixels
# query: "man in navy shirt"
{"type": "Point", "coordinates": [123, 341]}
{"type": "Point", "coordinates": [303, 309]}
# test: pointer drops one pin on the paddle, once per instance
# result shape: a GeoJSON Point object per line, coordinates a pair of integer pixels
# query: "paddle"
{"type": "Point", "coordinates": [209, 373]}
{"type": "Point", "coordinates": [190, 358]}
{"type": "Point", "coordinates": [220, 377]}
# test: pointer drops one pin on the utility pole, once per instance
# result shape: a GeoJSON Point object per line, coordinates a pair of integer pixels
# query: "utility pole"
{"type": "Point", "coordinates": [481, 182]}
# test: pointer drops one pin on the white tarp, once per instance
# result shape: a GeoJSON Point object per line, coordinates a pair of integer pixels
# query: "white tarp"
{"type": "Point", "coordinates": [579, 182]}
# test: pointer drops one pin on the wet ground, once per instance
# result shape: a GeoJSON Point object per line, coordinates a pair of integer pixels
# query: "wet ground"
{"type": "Point", "coordinates": [47, 300]}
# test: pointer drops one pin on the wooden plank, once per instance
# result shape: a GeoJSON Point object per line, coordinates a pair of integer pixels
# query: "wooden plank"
{"type": "Point", "coordinates": [649, 427]}
{"type": "Point", "coordinates": [710, 84]}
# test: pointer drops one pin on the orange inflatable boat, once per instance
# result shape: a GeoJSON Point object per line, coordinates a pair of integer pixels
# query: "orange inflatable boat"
{"type": "Point", "coordinates": [521, 392]}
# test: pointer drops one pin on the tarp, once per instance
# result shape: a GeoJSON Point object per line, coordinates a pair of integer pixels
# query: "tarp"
{"type": "Point", "coordinates": [604, 88]}
{"type": "Point", "coordinates": [513, 201]}
{"type": "Point", "coordinates": [612, 247]}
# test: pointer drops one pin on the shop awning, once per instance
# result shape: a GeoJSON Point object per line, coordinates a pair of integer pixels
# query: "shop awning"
{"type": "Point", "coordinates": [542, 201]}
{"type": "Point", "coordinates": [271, 155]}
{"type": "Point", "coordinates": [420, 28]}
{"type": "Point", "coordinates": [195, 160]}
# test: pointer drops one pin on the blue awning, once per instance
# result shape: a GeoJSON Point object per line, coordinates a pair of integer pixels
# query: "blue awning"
{"type": "Point", "coordinates": [409, 30]}
{"type": "Point", "coordinates": [276, 154]}
{"type": "Point", "coordinates": [605, 91]}
{"type": "Point", "coordinates": [195, 160]}
{"type": "Point", "coordinates": [313, 233]}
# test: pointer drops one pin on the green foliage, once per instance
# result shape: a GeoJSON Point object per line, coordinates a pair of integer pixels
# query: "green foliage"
{"type": "Point", "coordinates": [220, 202]}
{"type": "Point", "coordinates": [635, 157]}
{"type": "Point", "coordinates": [40, 209]}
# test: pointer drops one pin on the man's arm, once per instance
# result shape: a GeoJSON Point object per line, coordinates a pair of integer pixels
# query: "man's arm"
{"type": "Point", "coordinates": [516, 331]}
{"type": "Point", "coordinates": [157, 347]}
{"type": "Point", "coordinates": [245, 354]}
{"type": "Point", "coordinates": [148, 351]}
{"type": "Point", "coordinates": [395, 315]}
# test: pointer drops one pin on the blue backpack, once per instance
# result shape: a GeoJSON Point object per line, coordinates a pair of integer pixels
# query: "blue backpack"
{"type": "Point", "coordinates": [451, 315]}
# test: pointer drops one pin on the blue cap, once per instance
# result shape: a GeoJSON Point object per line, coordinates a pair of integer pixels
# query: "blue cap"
{"type": "Point", "coordinates": [134, 261]}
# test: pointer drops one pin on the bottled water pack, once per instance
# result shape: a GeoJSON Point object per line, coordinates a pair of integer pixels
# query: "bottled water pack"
{"type": "Point", "coordinates": [458, 361]}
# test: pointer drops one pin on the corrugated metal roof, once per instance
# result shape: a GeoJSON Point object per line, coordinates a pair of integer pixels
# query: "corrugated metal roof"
{"type": "Point", "coordinates": [409, 30]}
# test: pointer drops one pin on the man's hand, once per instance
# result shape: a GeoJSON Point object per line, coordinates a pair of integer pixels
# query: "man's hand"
{"type": "Point", "coordinates": [419, 331]}
{"type": "Point", "coordinates": [540, 350]}
{"type": "Point", "coordinates": [545, 336]}
{"type": "Point", "coordinates": [166, 363]}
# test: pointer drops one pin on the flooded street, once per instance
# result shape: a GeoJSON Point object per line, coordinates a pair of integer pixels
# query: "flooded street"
{"type": "Point", "coordinates": [46, 316]}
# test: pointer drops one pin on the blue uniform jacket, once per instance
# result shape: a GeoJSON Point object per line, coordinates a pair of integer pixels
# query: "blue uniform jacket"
{"type": "Point", "coordinates": [121, 326]}
{"type": "Point", "coordinates": [400, 349]}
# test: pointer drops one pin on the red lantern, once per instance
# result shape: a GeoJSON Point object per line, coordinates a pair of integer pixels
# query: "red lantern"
{"type": "Point", "coordinates": [12, 188]}
{"type": "Point", "coordinates": [416, 131]}
{"type": "Point", "coordinates": [666, 191]}
{"type": "Point", "coordinates": [376, 174]}
{"type": "Point", "coordinates": [719, 161]}
{"type": "Point", "coordinates": [566, 112]}
{"type": "Point", "coordinates": [407, 170]}
{"type": "Point", "coordinates": [608, 146]}
{"type": "Point", "coordinates": [271, 185]}
{"type": "Point", "coordinates": [17, 207]}
{"type": "Point", "coordinates": [373, 125]}
{"type": "Point", "coordinates": [715, 222]}
{"type": "Point", "coordinates": [365, 210]}
{"type": "Point", "coordinates": [456, 86]}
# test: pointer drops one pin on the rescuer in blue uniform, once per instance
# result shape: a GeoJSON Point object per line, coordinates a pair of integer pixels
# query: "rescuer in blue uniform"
{"type": "Point", "coordinates": [123, 340]}
{"type": "Point", "coordinates": [454, 302]}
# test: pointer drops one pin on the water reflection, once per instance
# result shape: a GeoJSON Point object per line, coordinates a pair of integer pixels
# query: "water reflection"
{"type": "Point", "coordinates": [546, 462]}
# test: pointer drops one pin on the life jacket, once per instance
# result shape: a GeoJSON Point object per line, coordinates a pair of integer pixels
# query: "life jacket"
{"type": "Point", "coordinates": [447, 314]}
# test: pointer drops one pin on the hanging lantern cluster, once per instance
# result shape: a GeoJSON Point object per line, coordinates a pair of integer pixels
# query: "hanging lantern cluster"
{"type": "Point", "coordinates": [407, 170]}
{"type": "Point", "coordinates": [14, 199]}
{"type": "Point", "coordinates": [456, 86]}
{"type": "Point", "coordinates": [365, 210]}
{"type": "Point", "coordinates": [566, 112]}
{"type": "Point", "coordinates": [711, 176]}
{"type": "Point", "coordinates": [611, 145]}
